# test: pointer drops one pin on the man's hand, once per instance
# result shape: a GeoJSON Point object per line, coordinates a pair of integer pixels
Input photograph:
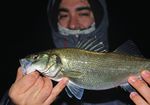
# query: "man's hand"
{"type": "Point", "coordinates": [143, 95]}
{"type": "Point", "coordinates": [33, 89]}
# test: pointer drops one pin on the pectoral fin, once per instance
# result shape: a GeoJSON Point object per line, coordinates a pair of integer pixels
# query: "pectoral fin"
{"type": "Point", "coordinates": [74, 90]}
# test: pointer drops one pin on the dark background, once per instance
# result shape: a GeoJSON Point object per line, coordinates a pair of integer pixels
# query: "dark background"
{"type": "Point", "coordinates": [25, 30]}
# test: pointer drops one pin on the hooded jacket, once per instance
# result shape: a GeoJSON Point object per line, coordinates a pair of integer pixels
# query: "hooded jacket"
{"type": "Point", "coordinates": [101, 19]}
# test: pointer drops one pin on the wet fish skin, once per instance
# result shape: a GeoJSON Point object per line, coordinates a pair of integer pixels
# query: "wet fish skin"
{"type": "Point", "coordinates": [87, 69]}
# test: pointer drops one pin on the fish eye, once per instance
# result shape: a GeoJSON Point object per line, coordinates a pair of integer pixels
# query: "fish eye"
{"type": "Point", "coordinates": [35, 57]}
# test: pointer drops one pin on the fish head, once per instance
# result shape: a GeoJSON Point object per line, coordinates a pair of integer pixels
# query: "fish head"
{"type": "Point", "coordinates": [46, 63]}
{"type": "Point", "coordinates": [34, 62]}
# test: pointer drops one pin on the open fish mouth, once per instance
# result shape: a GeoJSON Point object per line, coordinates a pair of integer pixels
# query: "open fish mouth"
{"type": "Point", "coordinates": [25, 64]}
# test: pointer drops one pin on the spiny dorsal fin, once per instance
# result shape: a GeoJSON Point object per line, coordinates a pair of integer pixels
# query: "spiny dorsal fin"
{"type": "Point", "coordinates": [130, 48]}
{"type": "Point", "coordinates": [92, 44]}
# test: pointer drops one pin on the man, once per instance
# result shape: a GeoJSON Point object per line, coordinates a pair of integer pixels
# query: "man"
{"type": "Point", "coordinates": [77, 16]}
{"type": "Point", "coordinates": [72, 21]}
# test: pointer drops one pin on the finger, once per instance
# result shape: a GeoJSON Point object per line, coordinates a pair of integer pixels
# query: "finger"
{"type": "Point", "coordinates": [146, 76]}
{"type": "Point", "coordinates": [140, 86]}
{"type": "Point", "coordinates": [34, 91]}
{"type": "Point", "coordinates": [56, 90]}
{"type": "Point", "coordinates": [137, 99]}
{"type": "Point", "coordinates": [46, 90]}
{"type": "Point", "coordinates": [19, 74]}
{"type": "Point", "coordinates": [26, 82]}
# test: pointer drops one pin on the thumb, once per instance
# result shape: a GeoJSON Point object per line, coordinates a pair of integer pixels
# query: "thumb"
{"type": "Point", "coordinates": [19, 74]}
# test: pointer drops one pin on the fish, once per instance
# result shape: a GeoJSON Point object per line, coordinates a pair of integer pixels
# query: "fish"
{"type": "Point", "coordinates": [86, 69]}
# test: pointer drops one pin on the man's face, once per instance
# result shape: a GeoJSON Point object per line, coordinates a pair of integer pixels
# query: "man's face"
{"type": "Point", "coordinates": [75, 14]}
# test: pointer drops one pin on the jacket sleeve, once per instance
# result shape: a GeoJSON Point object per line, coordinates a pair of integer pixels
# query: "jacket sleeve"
{"type": "Point", "coordinates": [5, 100]}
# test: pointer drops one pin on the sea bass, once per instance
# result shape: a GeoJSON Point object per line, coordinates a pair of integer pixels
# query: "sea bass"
{"type": "Point", "coordinates": [85, 69]}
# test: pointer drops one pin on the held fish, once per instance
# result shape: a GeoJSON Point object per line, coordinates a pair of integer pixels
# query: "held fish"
{"type": "Point", "coordinates": [85, 69]}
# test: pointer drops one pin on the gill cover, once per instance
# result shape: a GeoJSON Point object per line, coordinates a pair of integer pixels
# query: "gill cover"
{"type": "Point", "coordinates": [53, 66]}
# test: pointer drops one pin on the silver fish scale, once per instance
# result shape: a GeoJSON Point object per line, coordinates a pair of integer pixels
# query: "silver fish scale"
{"type": "Point", "coordinates": [100, 70]}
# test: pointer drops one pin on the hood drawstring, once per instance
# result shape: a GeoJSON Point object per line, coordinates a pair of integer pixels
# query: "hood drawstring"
{"type": "Point", "coordinates": [65, 42]}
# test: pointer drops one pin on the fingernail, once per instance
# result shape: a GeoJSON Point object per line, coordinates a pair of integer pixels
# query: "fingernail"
{"type": "Point", "coordinates": [65, 79]}
{"type": "Point", "coordinates": [133, 79]}
{"type": "Point", "coordinates": [35, 74]}
{"type": "Point", "coordinates": [146, 73]}
{"type": "Point", "coordinates": [133, 94]}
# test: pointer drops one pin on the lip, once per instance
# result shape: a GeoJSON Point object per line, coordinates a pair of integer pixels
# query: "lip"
{"type": "Point", "coordinates": [24, 64]}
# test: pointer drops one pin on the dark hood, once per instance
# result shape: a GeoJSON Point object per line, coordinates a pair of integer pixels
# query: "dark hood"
{"type": "Point", "coordinates": [99, 9]}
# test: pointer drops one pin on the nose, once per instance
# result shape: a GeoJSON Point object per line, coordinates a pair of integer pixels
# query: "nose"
{"type": "Point", "coordinates": [73, 23]}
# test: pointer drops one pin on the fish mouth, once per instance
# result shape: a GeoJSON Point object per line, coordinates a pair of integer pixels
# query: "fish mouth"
{"type": "Point", "coordinates": [25, 65]}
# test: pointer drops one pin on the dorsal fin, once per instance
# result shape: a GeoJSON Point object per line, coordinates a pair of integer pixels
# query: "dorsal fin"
{"type": "Point", "coordinates": [130, 48]}
{"type": "Point", "coordinates": [93, 44]}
